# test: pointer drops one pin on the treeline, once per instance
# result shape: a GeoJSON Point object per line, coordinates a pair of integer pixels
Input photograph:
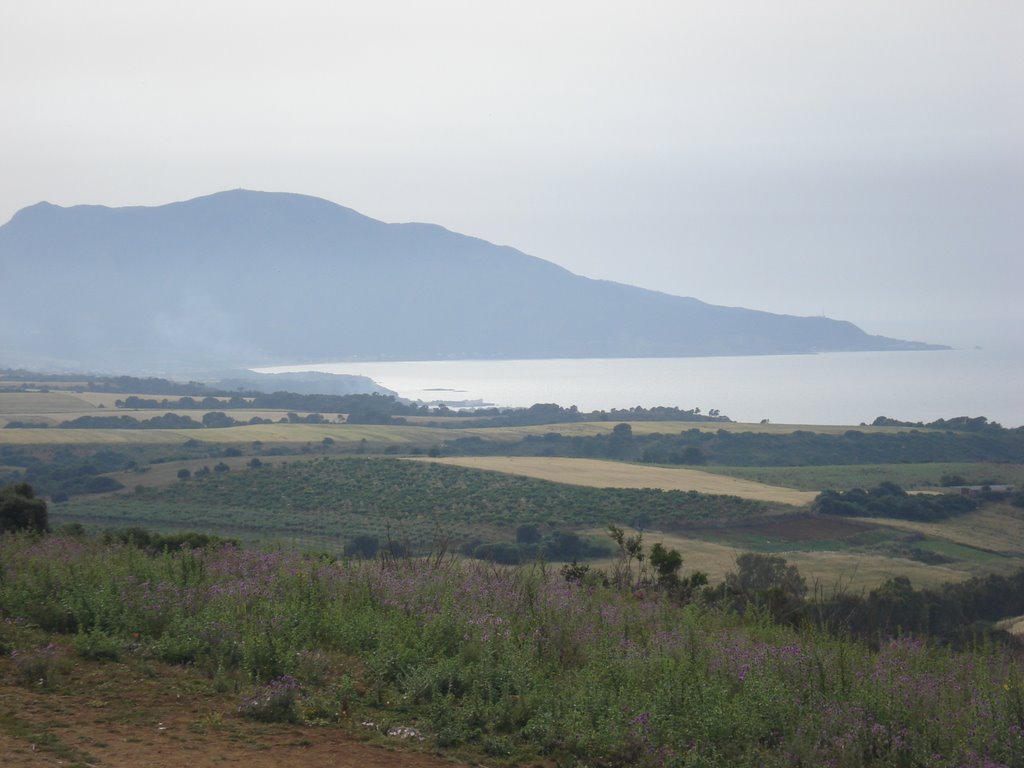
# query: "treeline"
{"type": "Point", "coordinates": [66, 473]}
{"type": "Point", "coordinates": [962, 614]}
{"type": "Point", "coordinates": [531, 545]}
{"type": "Point", "coordinates": [387, 409]}
{"type": "Point", "coordinates": [212, 420]}
{"type": "Point", "coordinates": [550, 413]}
{"type": "Point", "coordinates": [559, 545]}
{"type": "Point", "coordinates": [799, 448]}
{"type": "Point", "coordinates": [889, 500]}
{"type": "Point", "coordinates": [156, 543]}
{"type": "Point", "coordinates": [958, 423]}
{"type": "Point", "coordinates": [112, 384]}
{"type": "Point", "coordinates": [167, 421]}
{"type": "Point", "coordinates": [361, 408]}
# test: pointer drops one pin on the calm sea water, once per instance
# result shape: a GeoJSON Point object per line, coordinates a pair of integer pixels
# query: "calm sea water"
{"type": "Point", "coordinates": [838, 388]}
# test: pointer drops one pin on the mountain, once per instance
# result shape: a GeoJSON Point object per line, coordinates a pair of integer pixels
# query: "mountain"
{"type": "Point", "coordinates": [246, 278]}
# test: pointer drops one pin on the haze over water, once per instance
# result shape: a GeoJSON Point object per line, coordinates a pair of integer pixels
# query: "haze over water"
{"type": "Point", "coordinates": [837, 388]}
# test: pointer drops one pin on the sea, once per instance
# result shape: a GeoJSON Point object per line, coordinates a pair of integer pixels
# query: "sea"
{"type": "Point", "coordinates": [835, 388]}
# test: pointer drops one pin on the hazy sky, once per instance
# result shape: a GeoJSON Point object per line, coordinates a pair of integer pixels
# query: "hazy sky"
{"type": "Point", "coordinates": [862, 159]}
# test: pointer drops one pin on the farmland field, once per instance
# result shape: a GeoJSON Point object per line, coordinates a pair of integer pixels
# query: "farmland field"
{"type": "Point", "coordinates": [850, 476]}
{"type": "Point", "coordinates": [324, 503]}
{"type": "Point", "coordinates": [20, 403]}
{"type": "Point", "coordinates": [329, 500]}
{"type": "Point", "coordinates": [857, 553]}
{"type": "Point", "coordinates": [267, 433]}
{"type": "Point", "coordinates": [301, 500]}
{"type": "Point", "coordinates": [613, 474]}
{"type": "Point", "coordinates": [995, 528]}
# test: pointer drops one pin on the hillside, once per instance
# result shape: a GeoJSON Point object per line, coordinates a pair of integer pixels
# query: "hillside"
{"type": "Point", "coordinates": [245, 278]}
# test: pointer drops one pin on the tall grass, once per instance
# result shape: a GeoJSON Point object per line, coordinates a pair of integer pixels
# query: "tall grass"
{"type": "Point", "coordinates": [519, 663]}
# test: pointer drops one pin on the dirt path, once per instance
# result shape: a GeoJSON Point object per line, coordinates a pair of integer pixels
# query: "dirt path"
{"type": "Point", "coordinates": [112, 715]}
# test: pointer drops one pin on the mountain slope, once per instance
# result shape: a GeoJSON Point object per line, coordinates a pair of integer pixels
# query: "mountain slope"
{"type": "Point", "coordinates": [248, 278]}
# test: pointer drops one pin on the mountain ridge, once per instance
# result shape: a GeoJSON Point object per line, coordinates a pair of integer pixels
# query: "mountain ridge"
{"type": "Point", "coordinates": [245, 278]}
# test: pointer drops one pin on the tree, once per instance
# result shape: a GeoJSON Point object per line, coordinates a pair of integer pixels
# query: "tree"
{"type": "Point", "coordinates": [767, 581]}
{"type": "Point", "coordinates": [218, 419]}
{"type": "Point", "coordinates": [758, 573]}
{"type": "Point", "coordinates": [691, 454]}
{"type": "Point", "coordinates": [20, 510]}
{"type": "Point", "coordinates": [364, 546]}
{"type": "Point", "coordinates": [621, 440]}
{"type": "Point", "coordinates": [666, 563]}
{"type": "Point", "coordinates": [527, 534]}
{"type": "Point", "coordinates": [630, 548]}
{"type": "Point", "coordinates": [184, 474]}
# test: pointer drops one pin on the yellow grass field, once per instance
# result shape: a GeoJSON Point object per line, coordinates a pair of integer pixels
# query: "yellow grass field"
{"type": "Point", "coordinates": [856, 571]}
{"type": "Point", "coordinates": [828, 570]}
{"type": "Point", "coordinates": [267, 433]}
{"type": "Point", "coordinates": [17, 404]}
{"type": "Point", "coordinates": [1014, 626]}
{"type": "Point", "coordinates": [613, 474]}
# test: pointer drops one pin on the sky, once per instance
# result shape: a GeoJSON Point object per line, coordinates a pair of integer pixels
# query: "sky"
{"type": "Point", "coordinates": [862, 160]}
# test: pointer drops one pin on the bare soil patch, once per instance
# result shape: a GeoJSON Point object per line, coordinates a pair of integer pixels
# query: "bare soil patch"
{"type": "Point", "coordinates": [113, 714]}
{"type": "Point", "coordinates": [811, 528]}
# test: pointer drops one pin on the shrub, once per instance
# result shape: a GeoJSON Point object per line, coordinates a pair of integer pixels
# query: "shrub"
{"type": "Point", "coordinates": [21, 510]}
{"type": "Point", "coordinates": [275, 702]}
{"type": "Point", "coordinates": [96, 645]}
{"type": "Point", "coordinates": [364, 546]}
{"type": "Point", "coordinates": [40, 666]}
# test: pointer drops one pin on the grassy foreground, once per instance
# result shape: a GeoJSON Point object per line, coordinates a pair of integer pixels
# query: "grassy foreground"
{"type": "Point", "coordinates": [508, 665]}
